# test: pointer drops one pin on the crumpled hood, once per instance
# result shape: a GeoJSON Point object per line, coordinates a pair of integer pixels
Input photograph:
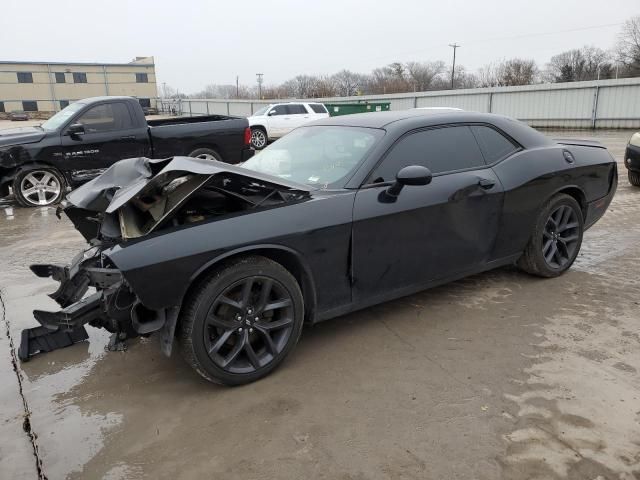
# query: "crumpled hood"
{"type": "Point", "coordinates": [20, 136]}
{"type": "Point", "coordinates": [126, 178]}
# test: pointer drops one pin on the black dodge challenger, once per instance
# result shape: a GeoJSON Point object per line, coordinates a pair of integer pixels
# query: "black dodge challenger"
{"type": "Point", "coordinates": [338, 215]}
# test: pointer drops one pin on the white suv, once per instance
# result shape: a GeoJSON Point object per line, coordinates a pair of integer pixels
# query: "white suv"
{"type": "Point", "coordinates": [278, 119]}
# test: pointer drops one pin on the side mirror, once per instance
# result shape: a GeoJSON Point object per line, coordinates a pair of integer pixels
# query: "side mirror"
{"type": "Point", "coordinates": [411, 175]}
{"type": "Point", "coordinates": [75, 129]}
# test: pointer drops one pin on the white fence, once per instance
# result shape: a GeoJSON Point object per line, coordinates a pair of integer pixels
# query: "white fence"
{"type": "Point", "coordinates": [595, 104]}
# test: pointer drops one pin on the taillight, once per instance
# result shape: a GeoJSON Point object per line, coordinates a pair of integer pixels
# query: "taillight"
{"type": "Point", "coordinates": [247, 136]}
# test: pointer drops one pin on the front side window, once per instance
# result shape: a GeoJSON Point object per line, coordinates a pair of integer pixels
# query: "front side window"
{"type": "Point", "coordinates": [60, 78]}
{"type": "Point", "coordinates": [279, 110]}
{"type": "Point", "coordinates": [25, 77]}
{"type": "Point", "coordinates": [79, 77]}
{"type": "Point", "coordinates": [493, 144]}
{"type": "Point", "coordinates": [30, 106]}
{"type": "Point", "coordinates": [296, 109]}
{"type": "Point", "coordinates": [322, 156]}
{"type": "Point", "coordinates": [142, 78]}
{"type": "Point", "coordinates": [262, 111]}
{"type": "Point", "coordinates": [440, 150]}
{"type": "Point", "coordinates": [106, 118]}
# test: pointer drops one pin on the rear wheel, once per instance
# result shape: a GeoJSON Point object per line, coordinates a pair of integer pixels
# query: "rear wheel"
{"type": "Point", "coordinates": [634, 178]}
{"type": "Point", "coordinates": [258, 138]}
{"type": "Point", "coordinates": [242, 321]}
{"type": "Point", "coordinates": [206, 154]}
{"type": "Point", "coordinates": [38, 187]}
{"type": "Point", "coordinates": [556, 239]}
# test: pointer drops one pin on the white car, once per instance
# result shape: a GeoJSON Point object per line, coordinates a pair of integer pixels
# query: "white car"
{"type": "Point", "coordinates": [278, 119]}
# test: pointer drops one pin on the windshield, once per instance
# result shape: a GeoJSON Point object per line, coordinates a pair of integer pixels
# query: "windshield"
{"type": "Point", "coordinates": [262, 111]}
{"type": "Point", "coordinates": [321, 156]}
{"type": "Point", "coordinates": [62, 116]}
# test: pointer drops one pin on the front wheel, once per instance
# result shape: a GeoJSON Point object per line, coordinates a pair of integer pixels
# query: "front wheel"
{"type": "Point", "coordinates": [259, 138]}
{"type": "Point", "coordinates": [38, 187]}
{"type": "Point", "coordinates": [242, 321]}
{"type": "Point", "coordinates": [556, 238]}
{"type": "Point", "coordinates": [634, 178]}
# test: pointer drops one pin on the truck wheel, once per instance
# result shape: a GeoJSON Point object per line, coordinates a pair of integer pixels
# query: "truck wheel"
{"type": "Point", "coordinates": [258, 138]}
{"type": "Point", "coordinates": [556, 238]}
{"type": "Point", "coordinates": [206, 154]}
{"type": "Point", "coordinates": [634, 178]}
{"type": "Point", "coordinates": [39, 187]}
{"type": "Point", "coordinates": [241, 322]}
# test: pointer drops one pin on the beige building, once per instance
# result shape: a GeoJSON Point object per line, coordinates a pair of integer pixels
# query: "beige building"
{"type": "Point", "coordinates": [42, 88]}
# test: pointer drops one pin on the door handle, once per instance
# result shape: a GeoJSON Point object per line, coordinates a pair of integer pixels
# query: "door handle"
{"type": "Point", "coordinates": [486, 183]}
{"type": "Point", "coordinates": [128, 137]}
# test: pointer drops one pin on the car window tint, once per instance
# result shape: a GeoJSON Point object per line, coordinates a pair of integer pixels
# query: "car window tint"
{"type": "Point", "coordinates": [318, 108]}
{"type": "Point", "coordinates": [493, 144]}
{"type": "Point", "coordinates": [297, 109]}
{"type": "Point", "coordinates": [440, 150]}
{"type": "Point", "coordinates": [106, 118]}
{"type": "Point", "coordinates": [279, 110]}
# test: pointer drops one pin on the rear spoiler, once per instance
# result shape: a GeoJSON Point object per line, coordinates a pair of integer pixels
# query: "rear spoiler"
{"type": "Point", "coordinates": [579, 142]}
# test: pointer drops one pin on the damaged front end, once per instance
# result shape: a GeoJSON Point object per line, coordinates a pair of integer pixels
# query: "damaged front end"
{"type": "Point", "coordinates": [132, 199]}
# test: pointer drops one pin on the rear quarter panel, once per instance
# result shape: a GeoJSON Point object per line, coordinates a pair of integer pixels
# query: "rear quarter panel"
{"type": "Point", "coordinates": [224, 136]}
{"type": "Point", "coordinates": [532, 176]}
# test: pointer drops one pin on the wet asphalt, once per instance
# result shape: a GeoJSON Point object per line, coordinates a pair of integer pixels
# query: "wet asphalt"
{"type": "Point", "coordinates": [500, 375]}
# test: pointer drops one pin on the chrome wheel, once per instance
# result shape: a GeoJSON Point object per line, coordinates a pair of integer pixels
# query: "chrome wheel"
{"type": "Point", "coordinates": [258, 138]}
{"type": "Point", "coordinates": [40, 188]}
{"type": "Point", "coordinates": [560, 237]}
{"type": "Point", "coordinates": [249, 324]}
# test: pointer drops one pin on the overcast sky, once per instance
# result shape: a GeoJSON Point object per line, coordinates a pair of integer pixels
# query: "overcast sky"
{"type": "Point", "coordinates": [198, 42]}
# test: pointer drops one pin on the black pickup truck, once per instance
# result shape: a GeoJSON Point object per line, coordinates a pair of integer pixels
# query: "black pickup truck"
{"type": "Point", "coordinates": [76, 144]}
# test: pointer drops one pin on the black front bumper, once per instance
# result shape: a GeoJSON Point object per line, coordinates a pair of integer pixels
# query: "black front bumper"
{"type": "Point", "coordinates": [632, 158]}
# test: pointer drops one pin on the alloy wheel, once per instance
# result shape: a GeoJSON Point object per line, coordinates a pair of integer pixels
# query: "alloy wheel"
{"type": "Point", "coordinates": [560, 237]}
{"type": "Point", "coordinates": [40, 188]}
{"type": "Point", "coordinates": [258, 138]}
{"type": "Point", "coordinates": [249, 324]}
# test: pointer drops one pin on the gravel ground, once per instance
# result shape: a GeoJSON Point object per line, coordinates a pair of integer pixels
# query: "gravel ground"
{"type": "Point", "coordinates": [500, 375]}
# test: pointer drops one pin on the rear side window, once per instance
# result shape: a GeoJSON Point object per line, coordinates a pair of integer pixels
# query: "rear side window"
{"type": "Point", "coordinates": [318, 108]}
{"type": "Point", "coordinates": [296, 109]}
{"type": "Point", "coordinates": [440, 150]}
{"type": "Point", "coordinates": [493, 144]}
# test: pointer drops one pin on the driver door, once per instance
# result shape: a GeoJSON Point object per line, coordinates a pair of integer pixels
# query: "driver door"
{"type": "Point", "coordinates": [427, 232]}
{"type": "Point", "coordinates": [279, 120]}
{"type": "Point", "coordinates": [109, 135]}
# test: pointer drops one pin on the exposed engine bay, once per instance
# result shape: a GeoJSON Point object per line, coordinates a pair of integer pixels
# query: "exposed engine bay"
{"type": "Point", "coordinates": [132, 199]}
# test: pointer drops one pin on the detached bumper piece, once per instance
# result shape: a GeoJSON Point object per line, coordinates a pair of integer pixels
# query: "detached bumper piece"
{"type": "Point", "coordinates": [59, 329]}
{"type": "Point", "coordinates": [40, 340]}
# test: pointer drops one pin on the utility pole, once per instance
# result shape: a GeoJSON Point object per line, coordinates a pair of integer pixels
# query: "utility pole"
{"type": "Point", "coordinates": [259, 79]}
{"type": "Point", "coordinates": [237, 87]}
{"type": "Point", "coordinates": [453, 67]}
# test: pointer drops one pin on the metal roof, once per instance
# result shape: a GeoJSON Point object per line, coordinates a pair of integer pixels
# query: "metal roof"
{"type": "Point", "coordinates": [80, 64]}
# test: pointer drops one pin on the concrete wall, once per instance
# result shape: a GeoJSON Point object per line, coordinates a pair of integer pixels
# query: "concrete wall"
{"type": "Point", "coordinates": [595, 104]}
{"type": "Point", "coordinates": [102, 79]}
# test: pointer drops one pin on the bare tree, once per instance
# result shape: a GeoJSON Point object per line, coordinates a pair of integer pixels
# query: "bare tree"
{"type": "Point", "coordinates": [422, 74]}
{"type": "Point", "coordinates": [587, 63]}
{"type": "Point", "coordinates": [628, 48]}
{"type": "Point", "coordinates": [462, 79]}
{"type": "Point", "coordinates": [347, 83]}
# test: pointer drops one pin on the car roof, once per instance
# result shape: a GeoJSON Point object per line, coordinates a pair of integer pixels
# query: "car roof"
{"type": "Point", "coordinates": [382, 119]}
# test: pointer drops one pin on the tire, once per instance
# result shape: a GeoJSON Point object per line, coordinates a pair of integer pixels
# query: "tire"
{"type": "Point", "coordinates": [206, 154]}
{"type": "Point", "coordinates": [217, 318]}
{"type": "Point", "coordinates": [38, 187]}
{"type": "Point", "coordinates": [634, 178]}
{"type": "Point", "coordinates": [259, 138]}
{"type": "Point", "coordinates": [556, 238]}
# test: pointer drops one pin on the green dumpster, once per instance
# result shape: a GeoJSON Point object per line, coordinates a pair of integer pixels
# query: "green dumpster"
{"type": "Point", "coordinates": [336, 109]}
